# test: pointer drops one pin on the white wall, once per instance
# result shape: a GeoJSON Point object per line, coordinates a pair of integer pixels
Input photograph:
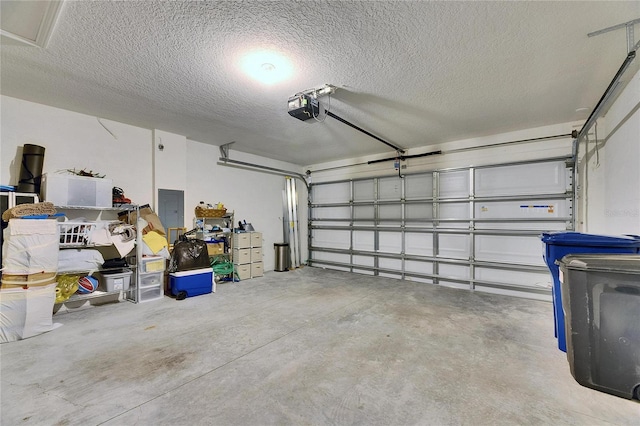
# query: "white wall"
{"type": "Point", "coordinates": [169, 165]}
{"type": "Point", "coordinates": [612, 179]}
{"type": "Point", "coordinates": [253, 195]}
{"type": "Point", "coordinates": [134, 163]}
{"type": "Point", "coordinates": [77, 141]}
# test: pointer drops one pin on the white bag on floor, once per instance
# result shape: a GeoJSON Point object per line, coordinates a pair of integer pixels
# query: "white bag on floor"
{"type": "Point", "coordinates": [26, 312]}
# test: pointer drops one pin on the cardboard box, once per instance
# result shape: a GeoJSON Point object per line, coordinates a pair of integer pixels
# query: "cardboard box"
{"type": "Point", "coordinates": [152, 219]}
{"type": "Point", "coordinates": [215, 248]}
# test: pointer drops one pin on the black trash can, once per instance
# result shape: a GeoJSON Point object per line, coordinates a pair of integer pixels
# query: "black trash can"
{"type": "Point", "coordinates": [282, 257]}
{"type": "Point", "coordinates": [601, 304]}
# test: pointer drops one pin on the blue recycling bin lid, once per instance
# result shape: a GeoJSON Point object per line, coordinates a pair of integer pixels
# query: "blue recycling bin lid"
{"type": "Point", "coordinates": [589, 240]}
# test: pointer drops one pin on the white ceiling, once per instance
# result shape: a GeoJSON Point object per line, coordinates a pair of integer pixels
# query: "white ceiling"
{"type": "Point", "coordinates": [413, 73]}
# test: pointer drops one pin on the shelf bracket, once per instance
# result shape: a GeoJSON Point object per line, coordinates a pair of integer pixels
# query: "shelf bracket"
{"type": "Point", "coordinates": [224, 150]}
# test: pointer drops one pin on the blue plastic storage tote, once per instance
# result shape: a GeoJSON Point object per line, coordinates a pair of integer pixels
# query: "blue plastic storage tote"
{"type": "Point", "coordinates": [560, 244]}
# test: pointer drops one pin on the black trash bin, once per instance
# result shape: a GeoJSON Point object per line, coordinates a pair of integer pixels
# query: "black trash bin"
{"type": "Point", "coordinates": [601, 304]}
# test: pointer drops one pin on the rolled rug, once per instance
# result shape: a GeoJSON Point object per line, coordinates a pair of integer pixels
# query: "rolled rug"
{"type": "Point", "coordinates": [28, 210]}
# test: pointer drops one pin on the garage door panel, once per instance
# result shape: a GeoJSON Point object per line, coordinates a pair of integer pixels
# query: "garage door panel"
{"type": "Point", "coordinates": [514, 293]}
{"type": "Point", "coordinates": [523, 209]}
{"type": "Point", "coordinates": [363, 260]}
{"type": "Point", "coordinates": [319, 213]}
{"type": "Point", "coordinates": [364, 212]}
{"type": "Point", "coordinates": [390, 242]}
{"type": "Point", "coordinates": [536, 178]}
{"type": "Point", "coordinates": [455, 271]}
{"type": "Point", "coordinates": [364, 240]}
{"type": "Point", "coordinates": [522, 278]}
{"type": "Point", "coordinates": [331, 238]}
{"type": "Point", "coordinates": [454, 184]}
{"type": "Point", "coordinates": [390, 212]}
{"type": "Point", "coordinates": [454, 246]}
{"type": "Point", "coordinates": [420, 280]}
{"type": "Point", "coordinates": [454, 211]}
{"type": "Point", "coordinates": [418, 244]}
{"type": "Point", "coordinates": [386, 263]}
{"type": "Point", "coordinates": [363, 190]}
{"type": "Point", "coordinates": [513, 249]}
{"type": "Point", "coordinates": [530, 226]}
{"type": "Point", "coordinates": [418, 186]}
{"type": "Point", "coordinates": [332, 193]}
{"type": "Point", "coordinates": [332, 257]}
{"type": "Point", "coordinates": [419, 211]}
{"type": "Point", "coordinates": [497, 221]}
{"type": "Point", "coordinates": [420, 267]}
{"type": "Point", "coordinates": [390, 189]}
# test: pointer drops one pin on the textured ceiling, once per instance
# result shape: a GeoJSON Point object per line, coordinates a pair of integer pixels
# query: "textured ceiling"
{"type": "Point", "coordinates": [413, 73]}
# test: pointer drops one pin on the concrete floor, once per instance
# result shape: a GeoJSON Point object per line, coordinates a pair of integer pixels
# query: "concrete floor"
{"type": "Point", "coordinates": [304, 347]}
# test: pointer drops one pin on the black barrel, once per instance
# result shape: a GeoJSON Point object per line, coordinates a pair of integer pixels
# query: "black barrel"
{"type": "Point", "coordinates": [31, 170]}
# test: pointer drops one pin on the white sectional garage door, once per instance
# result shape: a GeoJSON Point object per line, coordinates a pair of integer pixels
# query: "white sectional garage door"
{"type": "Point", "coordinates": [473, 228]}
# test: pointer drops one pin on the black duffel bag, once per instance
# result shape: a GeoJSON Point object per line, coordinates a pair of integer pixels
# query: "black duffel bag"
{"type": "Point", "coordinates": [188, 255]}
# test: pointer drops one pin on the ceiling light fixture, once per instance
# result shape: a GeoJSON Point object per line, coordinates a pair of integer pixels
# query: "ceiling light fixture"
{"type": "Point", "coordinates": [267, 67]}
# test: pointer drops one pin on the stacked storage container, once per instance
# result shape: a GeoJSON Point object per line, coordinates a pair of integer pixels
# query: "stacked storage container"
{"type": "Point", "coordinates": [247, 255]}
{"type": "Point", "coordinates": [151, 285]}
{"type": "Point", "coordinates": [242, 255]}
{"type": "Point", "coordinates": [257, 269]}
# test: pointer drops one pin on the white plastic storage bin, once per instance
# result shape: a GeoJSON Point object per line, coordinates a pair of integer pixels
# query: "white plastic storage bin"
{"type": "Point", "coordinates": [152, 264]}
{"type": "Point", "coordinates": [241, 240]}
{"type": "Point", "coordinates": [256, 270]}
{"type": "Point", "coordinates": [256, 254]}
{"type": "Point", "coordinates": [256, 239]}
{"type": "Point", "coordinates": [243, 271]}
{"type": "Point", "coordinates": [70, 190]}
{"type": "Point", "coordinates": [114, 281]}
{"type": "Point", "coordinates": [149, 294]}
{"type": "Point", "coordinates": [241, 256]}
{"type": "Point", "coordinates": [151, 280]}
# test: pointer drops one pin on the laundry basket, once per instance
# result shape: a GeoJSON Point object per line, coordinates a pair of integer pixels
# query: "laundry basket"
{"type": "Point", "coordinates": [74, 233]}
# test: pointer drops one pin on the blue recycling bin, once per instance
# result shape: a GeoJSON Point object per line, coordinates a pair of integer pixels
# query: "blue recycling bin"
{"type": "Point", "coordinates": [560, 244]}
